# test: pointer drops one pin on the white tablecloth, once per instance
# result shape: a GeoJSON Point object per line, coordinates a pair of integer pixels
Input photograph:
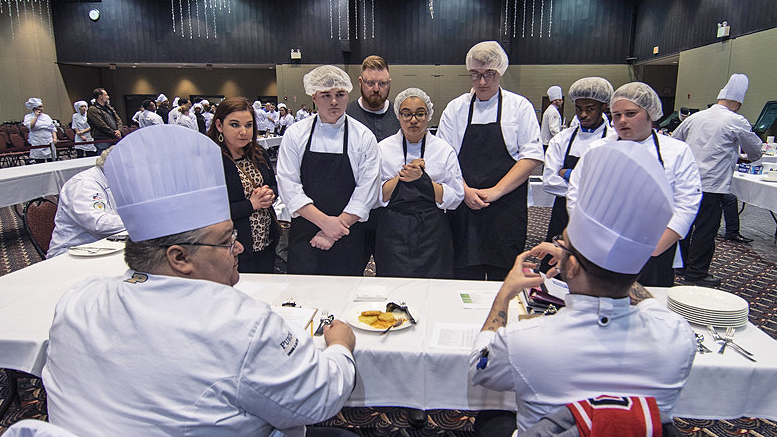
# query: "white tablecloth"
{"type": "Point", "coordinates": [27, 182]}
{"type": "Point", "coordinates": [269, 143]}
{"type": "Point", "coordinates": [401, 368]}
{"type": "Point", "coordinates": [751, 189]}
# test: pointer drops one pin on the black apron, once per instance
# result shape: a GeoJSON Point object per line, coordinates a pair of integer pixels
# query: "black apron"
{"type": "Point", "coordinates": [413, 238]}
{"type": "Point", "coordinates": [327, 178]}
{"type": "Point", "coordinates": [496, 234]}
{"type": "Point", "coordinates": [658, 271]}
{"type": "Point", "coordinates": [559, 218]}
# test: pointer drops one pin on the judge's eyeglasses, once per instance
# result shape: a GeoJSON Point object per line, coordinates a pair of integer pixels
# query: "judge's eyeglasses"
{"type": "Point", "coordinates": [556, 243]}
{"type": "Point", "coordinates": [230, 246]}
{"type": "Point", "coordinates": [407, 115]}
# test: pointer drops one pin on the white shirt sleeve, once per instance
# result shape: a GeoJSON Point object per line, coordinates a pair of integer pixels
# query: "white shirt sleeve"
{"type": "Point", "coordinates": [288, 166]}
{"type": "Point", "coordinates": [449, 129]}
{"type": "Point", "coordinates": [554, 161]}
{"type": "Point", "coordinates": [686, 192]}
{"type": "Point", "coordinates": [555, 124]}
{"type": "Point", "coordinates": [366, 173]}
{"type": "Point", "coordinates": [497, 375]}
{"type": "Point", "coordinates": [452, 182]}
{"type": "Point", "coordinates": [748, 140]}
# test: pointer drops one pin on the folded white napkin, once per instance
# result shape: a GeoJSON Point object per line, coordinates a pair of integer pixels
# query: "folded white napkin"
{"type": "Point", "coordinates": [371, 293]}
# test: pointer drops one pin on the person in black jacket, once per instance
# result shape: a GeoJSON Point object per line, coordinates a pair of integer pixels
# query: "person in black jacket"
{"type": "Point", "coordinates": [251, 184]}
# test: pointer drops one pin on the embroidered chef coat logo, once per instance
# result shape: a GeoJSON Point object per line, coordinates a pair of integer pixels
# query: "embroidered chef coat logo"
{"type": "Point", "coordinates": [289, 344]}
{"type": "Point", "coordinates": [99, 205]}
{"type": "Point", "coordinates": [137, 278]}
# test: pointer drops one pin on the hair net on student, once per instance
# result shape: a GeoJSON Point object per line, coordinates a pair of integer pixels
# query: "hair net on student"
{"type": "Point", "coordinates": [325, 78]}
{"type": "Point", "coordinates": [594, 88]}
{"type": "Point", "coordinates": [488, 55]}
{"type": "Point", "coordinates": [641, 95]}
{"type": "Point", "coordinates": [413, 92]}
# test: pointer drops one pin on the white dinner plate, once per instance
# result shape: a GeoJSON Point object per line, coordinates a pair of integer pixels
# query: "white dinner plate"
{"type": "Point", "coordinates": [99, 248]}
{"type": "Point", "coordinates": [352, 316]}
{"type": "Point", "coordinates": [741, 312]}
{"type": "Point", "coordinates": [707, 299]}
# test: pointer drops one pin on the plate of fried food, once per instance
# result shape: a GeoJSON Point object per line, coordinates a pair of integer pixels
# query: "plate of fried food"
{"type": "Point", "coordinates": [373, 317]}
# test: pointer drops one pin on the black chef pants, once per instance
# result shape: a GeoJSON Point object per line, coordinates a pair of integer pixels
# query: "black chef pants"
{"type": "Point", "coordinates": [699, 245]}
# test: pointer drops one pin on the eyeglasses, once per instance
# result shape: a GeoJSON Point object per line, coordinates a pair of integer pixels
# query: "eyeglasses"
{"type": "Point", "coordinates": [488, 75]}
{"type": "Point", "coordinates": [567, 249]}
{"type": "Point", "coordinates": [372, 83]}
{"type": "Point", "coordinates": [231, 245]}
{"type": "Point", "coordinates": [407, 116]}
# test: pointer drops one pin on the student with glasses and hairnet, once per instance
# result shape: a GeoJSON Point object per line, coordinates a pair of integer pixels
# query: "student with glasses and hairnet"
{"type": "Point", "coordinates": [497, 138]}
{"type": "Point", "coordinates": [420, 179]}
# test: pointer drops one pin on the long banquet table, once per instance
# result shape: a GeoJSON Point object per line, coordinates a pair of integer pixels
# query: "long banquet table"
{"type": "Point", "coordinates": [404, 367]}
{"type": "Point", "coordinates": [26, 182]}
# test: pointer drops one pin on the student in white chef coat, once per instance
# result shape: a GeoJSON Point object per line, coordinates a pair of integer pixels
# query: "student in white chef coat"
{"type": "Point", "coordinates": [174, 350]}
{"type": "Point", "coordinates": [634, 107]}
{"type": "Point", "coordinates": [80, 126]}
{"type": "Point", "coordinates": [591, 95]}
{"type": "Point", "coordinates": [611, 337]}
{"type": "Point", "coordinates": [43, 132]}
{"type": "Point", "coordinates": [149, 117]}
{"type": "Point", "coordinates": [328, 177]}
{"type": "Point", "coordinates": [86, 211]}
{"type": "Point", "coordinates": [497, 138]}
{"type": "Point", "coordinates": [551, 118]}
{"type": "Point", "coordinates": [420, 179]}
{"type": "Point", "coordinates": [715, 136]}
{"type": "Point", "coordinates": [172, 116]}
{"type": "Point", "coordinates": [285, 119]}
{"type": "Point", "coordinates": [186, 118]}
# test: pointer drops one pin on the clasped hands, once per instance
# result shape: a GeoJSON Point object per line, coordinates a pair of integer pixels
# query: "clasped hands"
{"type": "Point", "coordinates": [479, 198]}
{"type": "Point", "coordinates": [332, 229]}
{"type": "Point", "coordinates": [262, 197]}
{"type": "Point", "coordinates": [413, 171]}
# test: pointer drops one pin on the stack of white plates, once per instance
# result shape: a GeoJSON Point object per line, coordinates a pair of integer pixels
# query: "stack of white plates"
{"type": "Point", "coordinates": [707, 306]}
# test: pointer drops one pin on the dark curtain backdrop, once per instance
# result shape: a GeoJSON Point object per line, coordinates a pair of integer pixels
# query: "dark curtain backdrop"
{"type": "Point", "coordinates": [676, 25]}
{"type": "Point", "coordinates": [532, 31]}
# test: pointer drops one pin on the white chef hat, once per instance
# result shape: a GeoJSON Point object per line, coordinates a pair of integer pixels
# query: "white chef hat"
{"type": "Point", "coordinates": [555, 93]}
{"type": "Point", "coordinates": [735, 89]}
{"type": "Point", "coordinates": [197, 105]}
{"type": "Point", "coordinates": [281, 105]}
{"type": "Point", "coordinates": [641, 95]}
{"type": "Point", "coordinates": [257, 105]}
{"type": "Point", "coordinates": [175, 101]}
{"type": "Point", "coordinates": [32, 103]}
{"type": "Point", "coordinates": [78, 104]}
{"type": "Point", "coordinates": [325, 78]}
{"type": "Point", "coordinates": [594, 88]}
{"type": "Point", "coordinates": [488, 55]}
{"type": "Point", "coordinates": [161, 98]}
{"type": "Point", "coordinates": [204, 102]}
{"type": "Point", "coordinates": [167, 179]}
{"type": "Point", "coordinates": [414, 92]}
{"type": "Point", "coordinates": [624, 204]}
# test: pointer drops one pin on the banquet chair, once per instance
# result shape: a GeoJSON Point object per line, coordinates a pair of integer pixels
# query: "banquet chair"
{"type": "Point", "coordinates": [38, 218]}
{"type": "Point", "coordinates": [36, 428]}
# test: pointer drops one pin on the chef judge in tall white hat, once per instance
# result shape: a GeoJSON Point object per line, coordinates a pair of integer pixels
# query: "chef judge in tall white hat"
{"type": "Point", "coordinates": [328, 177]}
{"type": "Point", "coordinates": [170, 348]}
{"type": "Point", "coordinates": [551, 118]}
{"type": "Point", "coordinates": [609, 338]}
{"type": "Point", "coordinates": [634, 108]}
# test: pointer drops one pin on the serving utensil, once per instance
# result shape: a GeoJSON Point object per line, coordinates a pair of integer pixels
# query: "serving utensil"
{"type": "Point", "coordinates": [397, 323]}
{"type": "Point", "coordinates": [391, 306]}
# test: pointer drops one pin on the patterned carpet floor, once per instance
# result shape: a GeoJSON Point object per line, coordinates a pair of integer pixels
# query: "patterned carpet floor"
{"type": "Point", "coordinates": [743, 271]}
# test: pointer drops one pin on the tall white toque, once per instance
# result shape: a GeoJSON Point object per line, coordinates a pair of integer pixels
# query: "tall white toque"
{"type": "Point", "coordinates": [167, 179]}
{"type": "Point", "coordinates": [624, 205]}
{"type": "Point", "coordinates": [735, 89]}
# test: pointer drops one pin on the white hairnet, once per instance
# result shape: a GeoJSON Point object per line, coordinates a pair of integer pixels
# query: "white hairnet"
{"type": "Point", "coordinates": [281, 105]}
{"type": "Point", "coordinates": [257, 105]}
{"type": "Point", "coordinates": [197, 105]}
{"type": "Point", "coordinates": [325, 78]}
{"type": "Point", "coordinates": [175, 101]}
{"type": "Point", "coordinates": [161, 98]}
{"type": "Point", "coordinates": [641, 95]}
{"type": "Point", "coordinates": [32, 103]}
{"type": "Point", "coordinates": [488, 55]}
{"type": "Point", "coordinates": [204, 102]}
{"type": "Point", "coordinates": [413, 92]}
{"type": "Point", "coordinates": [594, 88]}
{"type": "Point", "coordinates": [78, 104]}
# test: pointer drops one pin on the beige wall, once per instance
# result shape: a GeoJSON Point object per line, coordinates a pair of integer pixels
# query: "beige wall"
{"type": "Point", "coordinates": [445, 82]}
{"type": "Point", "coordinates": [705, 70]}
{"type": "Point", "coordinates": [28, 69]}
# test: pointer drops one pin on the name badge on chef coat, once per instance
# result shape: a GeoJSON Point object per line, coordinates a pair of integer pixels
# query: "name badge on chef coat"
{"type": "Point", "coordinates": [289, 344]}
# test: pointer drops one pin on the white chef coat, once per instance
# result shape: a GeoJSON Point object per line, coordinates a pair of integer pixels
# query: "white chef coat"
{"type": "Point", "coordinates": [40, 135]}
{"type": "Point", "coordinates": [155, 355]}
{"type": "Point", "coordinates": [715, 136]}
{"type": "Point", "coordinates": [172, 116]}
{"type": "Point", "coordinates": [551, 124]}
{"type": "Point", "coordinates": [520, 129]}
{"type": "Point", "coordinates": [136, 116]}
{"type": "Point", "coordinates": [681, 172]}
{"type": "Point", "coordinates": [149, 118]}
{"type": "Point", "coordinates": [188, 120]}
{"type": "Point", "coordinates": [287, 121]}
{"type": "Point", "coordinates": [80, 123]}
{"type": "Point", "coordinates": [86, 212]}
{"type": "Point", "coordinates": [208, 116]}
{"type": "Point", "coordinates": [328, 138]}
{"type": "Point", "coordinates": [302, 114]}
{"type": "Point", "coordinates": [642, 350]}
{"type": "Point", "coordinates": [557, 148]}
{"type": "Point", "coordinates": [442, 165]}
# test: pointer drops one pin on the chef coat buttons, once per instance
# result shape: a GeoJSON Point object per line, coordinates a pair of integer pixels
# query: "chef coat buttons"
{"type": "Point", "coordinates": [604, 321]}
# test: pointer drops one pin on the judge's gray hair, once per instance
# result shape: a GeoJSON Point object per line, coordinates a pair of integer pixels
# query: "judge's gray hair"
{"type": "Point", "coordinates": [148, 255]}
{"type": "Point", "coordinates": [100, 162]}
